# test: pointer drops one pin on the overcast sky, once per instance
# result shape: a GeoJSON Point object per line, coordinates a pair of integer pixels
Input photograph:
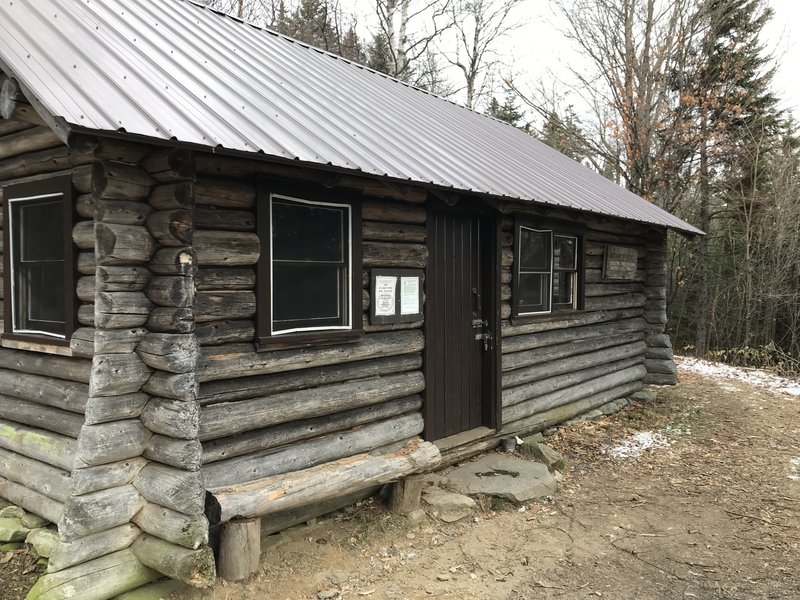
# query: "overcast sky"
{"type": "Point", "coordinates": [538, 47]}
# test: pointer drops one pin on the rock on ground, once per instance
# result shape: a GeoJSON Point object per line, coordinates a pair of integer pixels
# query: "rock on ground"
{"type": "Point", "coordinates": [504, 476]}
{"type": "Point", "coordinates": [448, 506]}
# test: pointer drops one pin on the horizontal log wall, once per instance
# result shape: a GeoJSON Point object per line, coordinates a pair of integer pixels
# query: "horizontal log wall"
{"type": "Point", "coordinates": [43, 397]}
{"type": "Point", "coordinates": [553, 364]}
{"type": "Point", "coordinates": [274, 412]}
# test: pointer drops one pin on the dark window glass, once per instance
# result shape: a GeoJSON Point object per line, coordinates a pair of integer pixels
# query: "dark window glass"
{"type": "Point", "coordinates": [563, 288]}
{"type": "Point", "coordinates": [534, 249]}
{"type": "Point", "coordinates": [37, 246]}
{"type": "Point", "coordinates": [534, 292]}
{"type": "Point", "coordinates": [565, 252]}
{"type": "Point", "coordinates": [310, 266]}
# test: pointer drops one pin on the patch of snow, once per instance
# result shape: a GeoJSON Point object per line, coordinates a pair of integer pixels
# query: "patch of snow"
{"type": "Point", "coordinates": [639, 443]}
{"type": "Point", "coordinates": [758, 378]}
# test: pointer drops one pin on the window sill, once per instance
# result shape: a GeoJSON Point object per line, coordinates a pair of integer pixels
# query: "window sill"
{"type": "Point", "coordinates": [559, 315]}
{"type": "Point", "coordinates": [31, 343]}
{"type": "Point", "coordinates": [307, 340]}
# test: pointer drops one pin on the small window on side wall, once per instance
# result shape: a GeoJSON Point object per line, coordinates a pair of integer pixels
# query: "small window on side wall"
{"type": "Point", "coordinates": [39, 260]}
{"type": "Point", "coordinates": [310, 268]}
{"type": "Point", "coordinates": [547, 274]}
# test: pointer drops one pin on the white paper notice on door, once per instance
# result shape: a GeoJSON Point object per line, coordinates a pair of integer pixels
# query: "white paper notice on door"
{"type": "Point", "coordinates": [409, 295]}
{"type": "Point", "coordinates": [385, 299]}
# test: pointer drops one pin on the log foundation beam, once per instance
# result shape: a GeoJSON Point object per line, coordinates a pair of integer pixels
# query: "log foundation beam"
{"type": "Point", "coordinates": [239, 549]}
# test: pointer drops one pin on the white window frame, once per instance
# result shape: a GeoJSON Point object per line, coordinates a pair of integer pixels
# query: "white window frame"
{"type": "Point", "coordinates": [518, 266]}
{"type": "Point", "coordinates": [347, 310]}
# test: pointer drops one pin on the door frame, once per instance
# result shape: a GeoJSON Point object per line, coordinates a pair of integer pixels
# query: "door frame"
{"type": "Point", "coordinates": [491, 396]}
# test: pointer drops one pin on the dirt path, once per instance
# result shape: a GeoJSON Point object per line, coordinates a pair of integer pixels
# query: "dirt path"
{"type": "Point", "coordinates": [714, 514]}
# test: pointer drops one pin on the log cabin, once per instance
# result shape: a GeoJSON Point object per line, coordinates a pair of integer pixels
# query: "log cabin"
{"type": "Point", "coordinates": [246, 281]}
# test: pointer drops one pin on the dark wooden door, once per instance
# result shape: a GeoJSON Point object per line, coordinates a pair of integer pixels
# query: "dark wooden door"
{"type": "Point", "coordinates": [457, 325]}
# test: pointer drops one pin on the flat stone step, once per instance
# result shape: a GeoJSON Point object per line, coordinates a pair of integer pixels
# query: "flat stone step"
{"type": "Point", "coordinates": [504, 476]}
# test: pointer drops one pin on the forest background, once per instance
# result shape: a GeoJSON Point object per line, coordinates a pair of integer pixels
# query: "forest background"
{"type": "Point", "coordinates": [676, 100]}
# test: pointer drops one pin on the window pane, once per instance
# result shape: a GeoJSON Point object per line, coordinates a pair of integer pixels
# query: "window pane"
{"type": "Point", "coordinates": [41, 225]}
{"type": "Point", "coordinates": [534, 292]}
{"type": "Point", "coordinates": [563, 288]}
{"type": "Point", "coordinates": [534, 249]}
{"type": "Point", "coordinates": [308, 295]}
{"type": "Point", "coordinates": [307, 232]}
{"type": "Point", "coordinates": [565, 252]}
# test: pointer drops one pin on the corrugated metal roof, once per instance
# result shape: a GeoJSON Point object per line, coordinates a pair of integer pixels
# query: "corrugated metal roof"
{"type": "Point", "coordinates": [174, 70]}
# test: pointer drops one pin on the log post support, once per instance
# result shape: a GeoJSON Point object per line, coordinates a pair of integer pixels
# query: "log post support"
{"type": "Point", "coordinates": [405, 495]}
{"type": "Point", "coordinates": [239, 549]}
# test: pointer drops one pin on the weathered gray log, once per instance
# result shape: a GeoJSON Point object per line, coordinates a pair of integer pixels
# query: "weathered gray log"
{"type": "Point", "coordinates": [173, 261]}
{"type": "Point", "coordinates": [370, 328]}
{"type": "Point", "coordinates": [239, 549]}
{"type": "Point", "coordinates": [382, 254]}
{"type": "Point", "coordinates": [101, 578]}
{"type": "Point", "coordinates": [45, 446]}
{"type": "Point", "coordinates": [572, 363]}
{"type": "Point", "coordinates": [104, 477]}
{"type": "Point", "coordinates": [393, 232]}
{"type": "Point", "coordinates": [659, 354]}
{"type": "Point", "coordinates": [312, 452]}
{"type": "Point", "coordinates": [577, 320]}
{"type": "Point", "coordinates": [221, 420]}
{"type": "Point", "coordinates": [123, 212]}
{"type": "Point", "coordinates": [87, 262]}
{"type": "Point", "coordinates": [224, 193]}
{"type": "Point", "coordinates": [115, 374]}
{"type": "Point", "coordinates": [528, 391]}
{"type": "Point", "coordinates": [98, 511]}
{"type": "Point", "coordinates": [171, 352]}
{"type": "Point", "coordinates": [284, 519]}
{"type": "Point", "coordinates": [118, 150]}
{"type": "Point", "coordinates": [177, 489]}
{"type": "Point", "coordinates": [31, 500]}
{"type": "Point", "coordinates": [252, 387]}
{"type": "Point", "coordinates": [123, 244]}
{"type": "Point", "coordinates": [183, 454]}
{"type": "Point", "coordinates": [270, 495]}
{"type": "Point", "coordinates": [118, 341]}
{"type": "Point", "coordinates": [86, 315]}
{"type": "Point", "coordinates": [43, 161]}
{"type": "Point", "coordinates": [226, 248]}
{"type": "Point", "coordinates": [120, 181]}
{"type": "Point", "coordinates": [84, 206]}
{"type": "Point", "coordinates": [67, 554]}
{"type": "Point", "coordinates": [217, 306]}
{"type": "Point", "coordinates": [392, 212]}
{"type": "Point", "coordinates": [574, 393]}
{"type": "Point", "coordinates": [105, 409]}
{"type": "Point", "coordinates": [122, 279]}
{"type": "Point", "coordinates": [655, 316]}
{"type": "Point", "coordinates": [241, 278]}
{"type": "Point", "coordinates": [67, 395]}
{"type": "Point", "coordinates": [40, 415]}
{"type": "Point", "coordinates": [180, 386]}
{"type": "Point", "coordinates": [536, 356]}
{"type": "Point", "coordinates": [60, 367]}
{"type": "Point", "coordinates": [83, 234]}
{"type": "Point", "coordinates": [174, 291]}
{"type": "Point", "coordinates": [223, 362]}
{"type": "Point", "coordinates": [7, 127]}
{"type": "Point", "coordinates": [82, 342]}
{"type": "Point", "coordinates": [215, 333]}
{"type": "Point", "coordinates": [612, 289]}
{"type": "Point", "coordinates": [30, 140]}
{"type": "Point", "coordinates": [169, 164]}
{"type": "Point", "coordinates": [660, 379]}
{"type": "Point", "coordinates": [171, 227]}
{"type": "Point", "coordinates": [193, 567]}
{"type": "Point", "coordinates": [14, 106]}
{"type": "Point", "coordinates": [82, 179]}
{"type": "Point", "coordinates": [666, 367]}
{"type": "Point", "coordinates": [174, 527]}
{"type": "Point", "coordinates": [175, 418]}
{"type": "Point", "coordinates": [224, 220]}
{"type": "Point", "coordinates": [560, 336]}
{"type": "Point", "coordinates": [45, 479]}
{"type": "Point", "coordinates": [405, 495]}
{"type": "Point", "coordinates": [171, 320]}
{"type": "Point", "coordinates": [106, 443]}
{"type": "Point", "coordinates": [172, 195]}
{"type": "Point", "coordinates": [618, 302]}
{"type": "Point", "coordinates": [289, 433]}
{"type": "Point", "coordinates": [121, 310]}
{"type": "Point", "coordinates": [85, 288]}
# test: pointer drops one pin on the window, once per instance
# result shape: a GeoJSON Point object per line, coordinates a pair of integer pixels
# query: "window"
{"type": "Point", "coordinates": [309, 271]}
{"type": "Point", "coordinates": [39, 258]}
{"type": "Point", "coordinates": [547, 270]}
